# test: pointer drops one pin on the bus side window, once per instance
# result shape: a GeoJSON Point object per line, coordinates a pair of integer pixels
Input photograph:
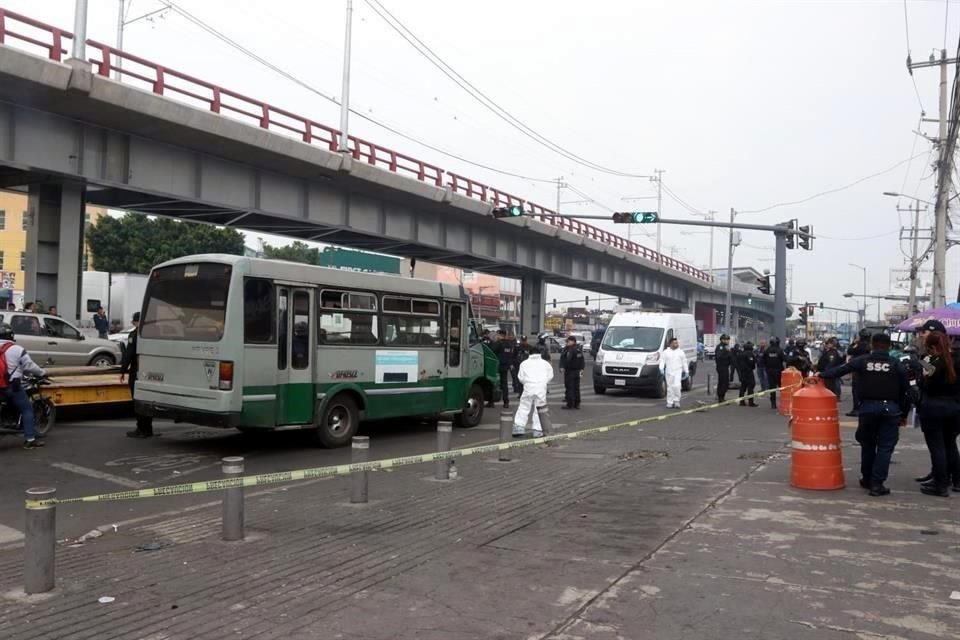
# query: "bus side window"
{"type": "Point", "coordinates": [454, 334]}
{"type": "Point", "coordinates": [300, 345]}
{"type": "Point", "coordinates": [258, 314]}
{"type": "Point", "coordinates": [282, 329]}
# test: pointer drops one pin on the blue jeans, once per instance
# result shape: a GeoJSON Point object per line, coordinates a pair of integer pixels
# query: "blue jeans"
{"type": "Point", "coordinates": [878, 434]}
{"type": "Point", "coordinates": [17, 397]}
{"type": "Point", "coordinates": [762, 378]}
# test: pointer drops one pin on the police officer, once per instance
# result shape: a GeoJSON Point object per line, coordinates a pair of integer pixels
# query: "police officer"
{"type": "Point", "coordinates": [572, 365]}
{"type": "Point", "coordinates": [829, 359]}
{"type": "Point", "coordinates": [798, 357]}
{"type": "Point", "coordinates": [129, 368]}
{"type": "Point", "coordinates": [521, 353]}
{"type": "Point", "coordinates": [859, 348]}
{"type": "Point", "coordinates": [885, 398]}
{"type": "Point", "coordinates": [734, 351]}
{"type": "Point", "coordinates": [772, 363]}
{"type": "Point", "coordinates": [746, 365]}
{"type": "Point", "coordinates": [724, 359]}
{"type": "Point", "coordinates": [503, 348]}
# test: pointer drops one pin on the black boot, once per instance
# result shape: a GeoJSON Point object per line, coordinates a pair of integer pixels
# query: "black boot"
{"type": "Point", "coordinates": [941, 492]}
{"type": "Point", "coordinates": [926, 478]}
{"type": "Point", "coordinates": [879, 490]}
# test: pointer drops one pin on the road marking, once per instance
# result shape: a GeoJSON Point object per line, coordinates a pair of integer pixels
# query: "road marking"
{"type": "Point", "coordinates": [9, 534]}
{"type": "Point", "coordinates": [99, 475]}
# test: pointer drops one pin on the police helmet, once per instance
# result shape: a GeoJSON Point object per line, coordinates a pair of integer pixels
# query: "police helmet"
{"type": "Point", "coordinates": [775, 341]}
{"type": "Point", "coordinates": [748, 346]}
{"type": "Point", "coordinates": [543, 336]}
{"type": "Point", "coordinates": [724, 337]}
{"type": "Point", "coordinates": [801, 343]}
{"type": "Point", "coordinates": [6, 332]}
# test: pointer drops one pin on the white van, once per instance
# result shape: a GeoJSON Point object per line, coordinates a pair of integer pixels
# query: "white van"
{"type": "Point", "coordinates": [629, 356]}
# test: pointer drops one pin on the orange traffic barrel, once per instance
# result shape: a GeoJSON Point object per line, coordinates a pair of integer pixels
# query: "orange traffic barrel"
{"type": "Point", "coordinates": [790, 379]}
{"type": "Point", "coordinates": [816, 461]}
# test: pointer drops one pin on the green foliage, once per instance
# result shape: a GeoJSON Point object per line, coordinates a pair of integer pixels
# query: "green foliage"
{"type": "Point", "coordinates": [295, 252]}
{"type": "Point", "coordinates": [135, 243]}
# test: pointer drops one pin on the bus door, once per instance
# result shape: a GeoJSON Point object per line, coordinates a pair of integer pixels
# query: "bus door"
{"type": "Point", "coordinates": [457, 357]}
{"type": "Point", "coordinates": [296, 353]}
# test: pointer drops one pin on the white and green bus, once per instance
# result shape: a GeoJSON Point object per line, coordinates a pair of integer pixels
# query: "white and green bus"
{"type": "Point", "coordinates": [229, 341]}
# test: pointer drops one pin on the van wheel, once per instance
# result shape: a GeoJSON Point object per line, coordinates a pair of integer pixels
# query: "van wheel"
{"type": "Point", "coordinates": [661, 389]}
{"type": "Point", "coordinates": [597, 389]}
{"type": "Point", "coordinates": [472, 413]}
{"type": "Point", "coordinates": [339, 423]}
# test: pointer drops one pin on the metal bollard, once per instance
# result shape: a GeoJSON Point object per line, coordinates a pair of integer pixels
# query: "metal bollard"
{"type": "Point", "coordinates": [232, 500]}
{"type": "Point", "coordinates": [506, 434]}
{"type": "Point", "coordinates": [40, 544]}
{"type": "Point", "coordinates": [444, 430]}
{"type": "Point", "coordinates": [545, 422]}
{"type": "Point", "coordinates": [709, 385]}
{"type": "Point", "coordinates": [359, 452]}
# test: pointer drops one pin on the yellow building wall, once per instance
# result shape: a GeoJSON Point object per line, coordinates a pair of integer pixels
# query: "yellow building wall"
{"type": "Point", "coordinates": [13, 239]}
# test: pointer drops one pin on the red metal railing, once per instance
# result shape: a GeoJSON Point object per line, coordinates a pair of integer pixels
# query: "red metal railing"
{"type": "Point", "coordinates": [37, 37]}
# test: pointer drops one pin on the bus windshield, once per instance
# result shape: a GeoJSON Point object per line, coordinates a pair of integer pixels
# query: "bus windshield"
{"type": "Point", "coordinates": [186, 302]}
{"type": "Point", "coordinates": [633, 339]}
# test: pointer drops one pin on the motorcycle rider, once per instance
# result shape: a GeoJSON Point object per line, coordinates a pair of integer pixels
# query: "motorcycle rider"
{"type": "Point", "coordinates": [18, 362]}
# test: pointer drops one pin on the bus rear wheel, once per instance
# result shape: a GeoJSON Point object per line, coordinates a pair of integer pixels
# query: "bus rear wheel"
{"type": "Point", "coordinates": [472, 413]}
{"type": "Point", "coordinates": [339, 423]}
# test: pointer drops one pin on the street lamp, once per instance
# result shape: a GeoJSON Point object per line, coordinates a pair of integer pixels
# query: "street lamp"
{"type": "Point", "coordinates": [864, 269]}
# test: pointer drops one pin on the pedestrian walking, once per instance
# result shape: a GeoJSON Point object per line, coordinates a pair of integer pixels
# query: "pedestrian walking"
{"type": "Point", "coordinates": [523, 351]}
{"type": "Point", "coordinates": [772, 364]}
{"type": "Point", "coordinates": [101, 323]}
{"type": "Point", "coordinates": [674, 368]}
{"type": "Point", "coordinates": [940, 415]}
{"type": "Point", "coordinates": [17, 362]}
{"type": "Point", "coordinates": [129, 371]}
{"type": "Point", "coordinates": [724, 358]}
{"type": "Point", "coordinates": [885, 399]}
{"type": "Point", "coordinates": [535, 375]}
{"type": "Point", "coordinates": [572, 365]}
{"type": "Point", "coordinates": [746, 366]}
{"type": "Point", "coordinates": [503, 349]}
{"type": "Point", "coordinates": [830, 359]}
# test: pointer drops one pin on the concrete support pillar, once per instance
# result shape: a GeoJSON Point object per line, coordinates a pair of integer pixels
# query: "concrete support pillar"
{"type": "Point", "coordinates": [533, 292]}
{"type": "Point", "coordinates": [54, 252]}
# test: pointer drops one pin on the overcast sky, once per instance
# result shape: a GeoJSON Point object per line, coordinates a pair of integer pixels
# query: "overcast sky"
{"type": "Point", "coordinates": [743, 104]}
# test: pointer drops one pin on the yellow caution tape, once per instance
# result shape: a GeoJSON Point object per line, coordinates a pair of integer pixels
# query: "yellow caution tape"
{"type": "Point", "coordinates": [375, 465]}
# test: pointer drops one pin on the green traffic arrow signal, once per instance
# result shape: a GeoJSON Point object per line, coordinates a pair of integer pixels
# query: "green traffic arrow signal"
{"type": "Point", "coordinates": [639, 217]}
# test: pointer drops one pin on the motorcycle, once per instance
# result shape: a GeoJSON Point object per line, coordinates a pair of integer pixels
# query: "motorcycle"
{"type": "Point", "coordinates": [44, 411]}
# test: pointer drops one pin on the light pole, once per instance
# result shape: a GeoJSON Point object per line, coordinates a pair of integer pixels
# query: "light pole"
{"type": "Point", "coordinates": [345, 93]}
{"type": "Point", "coordinates": [864, 269]}
{"type": "Point", "coordinates": [79, 50]}
{"type": "Point", "coordinates": [915, 236]}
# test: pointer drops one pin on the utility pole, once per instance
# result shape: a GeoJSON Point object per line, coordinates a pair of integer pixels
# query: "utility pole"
{"type": "Point", "coordinates": [914, 258]}
{"type": "Point", "coordinates": [943, 193]}
{"type": "Point", "coordinates": [729, 300]}
{"type": "Point", "coordinates": [79, 51]}
{"type": "Point", "coordinates": [345, 97]}
{"type": "Point", "coordinates": [659, 180]}
{"type": "Point", "coordinates": [711, 216]}
{"type": "Point", "coordinates": [560, 186]}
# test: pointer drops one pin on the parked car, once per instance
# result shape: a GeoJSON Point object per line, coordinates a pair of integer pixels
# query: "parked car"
{"type": "Point", "coordinates": [53, 342]}
{"type": "Point", "coordinates": [120, 337]}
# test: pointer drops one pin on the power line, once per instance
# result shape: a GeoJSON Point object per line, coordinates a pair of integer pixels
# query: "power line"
{"type": "Point", "coordinates": [431, 56]}
{"type": "Point", "coordinates": [879, 235]}
{"type": "Point", "coordinates": [906, 26]}
{"type": "Point", "coordinates": [673, 196]}
{"type": "Point", "coordinates": [831, 191]}
{"type": "Point", "coordinates": [285, 74]}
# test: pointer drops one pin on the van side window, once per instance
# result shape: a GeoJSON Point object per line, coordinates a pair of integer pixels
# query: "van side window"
{"type": "Point", "coordinates": [258, 311]}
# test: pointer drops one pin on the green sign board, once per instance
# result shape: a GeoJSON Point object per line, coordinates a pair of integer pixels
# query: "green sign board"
{"type": "Point", "coordinates": [358, 261]}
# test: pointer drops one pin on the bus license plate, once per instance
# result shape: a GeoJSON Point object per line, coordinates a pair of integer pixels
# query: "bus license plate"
{"type": "Point", "coordinates": [620, 382]}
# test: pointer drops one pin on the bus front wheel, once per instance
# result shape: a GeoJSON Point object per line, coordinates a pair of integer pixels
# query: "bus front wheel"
{"type": "Point", "coordinates": [472, 412]}
{"type": "Point", "coordinates": [340, 422]}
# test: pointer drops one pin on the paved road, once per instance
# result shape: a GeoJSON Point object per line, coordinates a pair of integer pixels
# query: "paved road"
{"type": "Point", "coordinates": [92, 456]}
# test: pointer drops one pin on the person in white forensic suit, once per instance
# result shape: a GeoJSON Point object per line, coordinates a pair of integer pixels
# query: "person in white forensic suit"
{"type": "Point", "coordinates": [535, 374]}
{"type": "Point", "coordinates": [674, 368]}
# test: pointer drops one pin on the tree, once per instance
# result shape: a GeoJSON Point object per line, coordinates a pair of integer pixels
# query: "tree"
{"type": "Point", "coordinates": [295, 252]}
{"type": "Point", "coordinates": [135, 243]}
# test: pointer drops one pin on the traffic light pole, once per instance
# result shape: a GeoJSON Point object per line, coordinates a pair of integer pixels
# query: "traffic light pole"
{"type": "Point", "coordinates": [780, 284]}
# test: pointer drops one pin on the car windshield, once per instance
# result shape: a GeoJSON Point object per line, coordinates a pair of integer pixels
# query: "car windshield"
{"type": "Point", "coordinates": [633, 339]}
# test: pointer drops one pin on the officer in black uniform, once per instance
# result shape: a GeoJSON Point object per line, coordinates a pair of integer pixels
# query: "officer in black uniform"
{"type": "Point", "coordinates": [129, 368]}
{"type": "Point", "coordinates": [885, 399]}
{"type": "Point", "coordinates": [724, 359]}
{"type": "Point", "coordinates": [746, 366]}
{"type": "Point", "coordinates": [521, 353]}
{"type": "Point", "coordinates": [798, 357]}
{"type": "Point", "coordinates": [572, 365]}
{"type": "Point", "coordinates": [829, 359]}
{"type": "Point", "coordinates": [858, 349]}
{"type": "Point", "coordinates": [772, 362]}
{"type": "Point", "coordinates": [503, 348]}
{"type": "Point", "coordinates": [734, 352]}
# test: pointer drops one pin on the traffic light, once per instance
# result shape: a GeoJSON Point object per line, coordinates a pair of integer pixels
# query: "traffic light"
{"type": "Point", "coordinates": [513, 211]}
{"type": "Point", "coordinates": [810, 310]}
{"type": "Point", "coordinates": [791, 237]}
{"type": "Point", "coordinates": [764, 285]}
{"type": "Point", "coordinates": [640, 217]}
{"type": "Point", "coordinates": [803, 315]}
{"type": "Point", "coordinates": [805, 241]}
{"type": "Point", "coordinates": [586, 301]}
{"type": "Point", "coordinates": [554, 303]}
{"type": "Point", "coordinates": [749, 299]}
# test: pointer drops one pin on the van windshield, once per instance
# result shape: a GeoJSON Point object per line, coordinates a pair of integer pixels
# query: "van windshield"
{"type": "Point", "coordinates": [186, 302]}
{"type": "Point", "coordinates": [633, 339]}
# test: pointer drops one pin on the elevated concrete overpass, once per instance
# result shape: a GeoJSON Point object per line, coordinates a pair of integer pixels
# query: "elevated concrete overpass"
{"type": "Point", "coordinates": [165, 143]}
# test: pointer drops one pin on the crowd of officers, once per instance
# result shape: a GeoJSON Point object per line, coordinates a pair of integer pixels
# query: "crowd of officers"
{"type": "Point", "coordinates": [512, 351]}
{"type": "Point", "coordinates": [886, 384]}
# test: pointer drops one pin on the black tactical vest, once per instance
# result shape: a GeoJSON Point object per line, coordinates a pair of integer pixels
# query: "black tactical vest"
{"type": "Point", "coordinates": [879, 379]}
